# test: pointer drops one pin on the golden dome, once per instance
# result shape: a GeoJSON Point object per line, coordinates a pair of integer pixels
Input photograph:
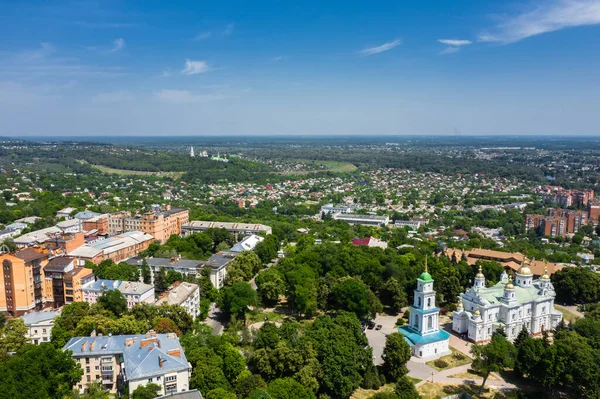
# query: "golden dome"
{"type": "Point", "coordinates": [525, 270]}
{"type": "Point", "coordinates": [545, 276]}
{"type": "Point", "coordinates": [509, 285]}
{"type": "Point", "coordinates": [477, 313]}
{"type": "Point", "coordinates": [460, 305]}
{"type": "Point", "coordinates": [479, 273]}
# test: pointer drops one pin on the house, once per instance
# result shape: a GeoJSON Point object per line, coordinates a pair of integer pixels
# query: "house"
{"type": "Point", "coordinates": [370, 242]}
{"type": "Point", "coordinates": [125, 362]}
{"type": "Point", "coordinates": [185, 294]}
{"type": "Point", "coordinates": [133, 291]}
{"type": "Point", "coordinates": [39, 326]}
{"type": "Point", "coordinates": [247, 244]}
{"type": "Point", "coordinates": [183, 266]}
{"type": "Point", "coordinates": [65, 213]}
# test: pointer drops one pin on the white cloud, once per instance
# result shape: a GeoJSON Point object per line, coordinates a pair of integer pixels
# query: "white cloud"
{"type": "Point", "coordinates": [185, 97]}
{"type": "Point", "coordinates": [202, 36]}
{"type": "Point", "coordinates": [380, 49]}
{"type": "Point", "coordinates": [279, 58]}
{"type": "Point", "coordinates": [450, 50]}
{"type": "Point", "coordinates": [547, 17]}
{"type": "Point", "coordinates": [44, 50]}
{"type": "Point", "coordinates": [113, 97]}
{"type": "Point", "coordinates": [455, 42]}
{"type": "Point", "coordinates": [118, 45]}
{"type": "Point", "coordinates": [166, 74]}
{"type": "Point", "coordinates": [228, 30]}
{"type": "Point", "coordinates": [195, 67]}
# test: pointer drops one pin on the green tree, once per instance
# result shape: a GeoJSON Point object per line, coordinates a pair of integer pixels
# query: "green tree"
{"type": "Point", "coordinates": [529, 353]}
{"type": "Point", "coordinates": [13, 335]}
{"type": "Point", "coordinates": [160, 280]}
{"type": "Point", "coordinates": [267, 337]}
{"type": "Point", "coordinates": [39, 371]}
{"type": "Point", "coordinates": [148, 391]}
{"type": "Point", "coordinates": [233, 361]}
{"type": "Point", "coordinates": [220, 393]}
{"type": "Point", "coordinates": [164, 325]}
{"type": "Point", "coordinates": [496, 356]}
{"type": "Point", "coordinates": [113, 301]}
{"type": "Point", "coordinates": [247, 383]}
{"type": "Point", "coordinates": [405, 389]}
{"type": "Point", "coordinates": [208, 377]}
{"type": "Point", "coordinates": [288, 388]}
{"type": "Point", "coordinates": [243, 267]}
{"type": "Point", "coordinates": [396, 354]}
{"type": "Point", "coordinates": [351, 294]}
{"type": "Point", "coordinates": [270, 286]}
{"type": "Point", "coordinates": [237, 298]}
{"type": "Point", "coordinates": [267, 249]}
{"type": "Point", "coordinates": [146, 272]}
{"type": "Point", "coordinates": [394, 295]}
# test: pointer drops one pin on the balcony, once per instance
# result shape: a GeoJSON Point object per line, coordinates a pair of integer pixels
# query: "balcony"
{"type": "Point", "coordinates": [107, 370]}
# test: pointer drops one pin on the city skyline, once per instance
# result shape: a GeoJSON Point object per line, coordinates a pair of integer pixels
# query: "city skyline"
{"type": "Point", "coordinates": [85, 68]}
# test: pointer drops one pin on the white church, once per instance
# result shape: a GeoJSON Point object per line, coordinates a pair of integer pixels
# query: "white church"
{"type": "Point", "coordinates": [423, 334]}
{"type": "Point", "coordinates": [481, 310]}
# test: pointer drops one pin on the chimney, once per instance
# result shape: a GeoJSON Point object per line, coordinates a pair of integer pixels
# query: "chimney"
{"type": "Point", "coordinates": [93, 334]}
{"type": "Point", "coordinates": [160, 361]}
{"type": "Point", "coordinates": [92, 345]}
{"type": "Point", "coordinates": [83, 346]}
{"type": "Point", "coordinates": [174, 352]}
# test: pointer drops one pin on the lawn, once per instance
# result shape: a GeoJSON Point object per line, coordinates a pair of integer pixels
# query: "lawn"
{"type": "Point", "coordinates": [255, 317]}
{"type": "Point", "coordinates": [106, 169]}
{"type": "Point", "coordinates": [361, 393]}
{"type": "Point", "coordinates": [451, 359]}
{"type": "Point", "coordinates": [471, 374]}
{"type": "Point", "coordinates": [568, 316]}
{"type": "Point", "coordinates": [438, 390]}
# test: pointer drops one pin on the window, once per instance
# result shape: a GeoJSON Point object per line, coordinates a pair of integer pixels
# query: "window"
{"type": "Point", "coordinates": [430, 322]}
{"type": "Point", "coordinates": [87, 369]}
{"type": "Point", "coordinates": [428, 302]}
{"type": "Point", "coordinates": [44, 331]}
{"type": "Point", "coordinates": [87, 360]}
{"type": "Point", "coordinates": [419, 301]}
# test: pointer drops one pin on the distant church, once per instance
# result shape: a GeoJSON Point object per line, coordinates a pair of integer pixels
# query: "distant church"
{"type": "Point", "coordinates": [423, 334]}
{"type": "Point", "coordinates": [527, 303]}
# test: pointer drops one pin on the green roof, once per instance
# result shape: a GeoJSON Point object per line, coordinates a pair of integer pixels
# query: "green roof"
{"type": "Point", "coordinates": [425, 277]}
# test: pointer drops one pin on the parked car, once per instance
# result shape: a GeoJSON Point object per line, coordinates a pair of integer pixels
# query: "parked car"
{"type": "Point", "coordinates": [378, 327]}
{"type": "Point", "coordinates": [371, 325]}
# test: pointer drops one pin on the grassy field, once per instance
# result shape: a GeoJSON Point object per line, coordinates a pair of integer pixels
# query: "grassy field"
{"type": "Point", "coordinates": [451, 360]}
{"type": "Point", "coordinates": [361, 393]}
{"type": "Point", "coordinates": [472, 375]}
{"type": "Point", "coordinates": [568, 316]}
{"type": "Point", "coordinates": [330, 166]}
{"type": "Point", "coordinates": [105, 169]}
{"type": "Point", "coordinates": [436, 390]}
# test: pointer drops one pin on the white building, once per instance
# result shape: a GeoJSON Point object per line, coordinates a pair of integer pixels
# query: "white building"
{"type": "Point", "coordinates": [423, 334]}
{"type": "Point", "coordinates": [527, 303]}
{"type": "Point", "coordinates": [133, 291]}
{"type": "Point", "coordinates": [130, 361]}
{"type": "Point", "coordinates": [65, 213]}
{"type": "Point", "coordinates": [39, 326]}
{"type": "Point", "coordinates": [247, 244]}
{"type": "Point", "coordinates": [185, 294]}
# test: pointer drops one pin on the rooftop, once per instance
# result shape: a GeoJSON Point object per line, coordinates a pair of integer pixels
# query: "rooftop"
{"type": "Point", "coordinates": [30, 254]}
{"type": "Point", "coordinates": [220, 259]}
{"type": "Point", "coordinates": [38, 317]}
{"type": "Point", "coordinates": [178, 294]}
{"type": "Point", "coordinates": [144, 355]}
{"type": "Point", "coordinates": [413, 337]}
{"type": "Point", "coordinates": [59, 264]}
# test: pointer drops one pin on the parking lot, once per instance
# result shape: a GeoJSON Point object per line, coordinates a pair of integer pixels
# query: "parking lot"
{"type": "Point", "coordinates": [377, 337]}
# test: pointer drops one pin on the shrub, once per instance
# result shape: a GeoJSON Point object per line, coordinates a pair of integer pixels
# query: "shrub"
{"type": "Point", "coordinates": [400, 322]}
{"type": "Point", "coordinates": [441, 363]}
{"type": "Point", "coordinates": [458, 356]}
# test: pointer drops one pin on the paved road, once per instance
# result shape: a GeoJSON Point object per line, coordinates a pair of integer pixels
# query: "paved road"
{"type": "Point", "coordinates": [216, 319]}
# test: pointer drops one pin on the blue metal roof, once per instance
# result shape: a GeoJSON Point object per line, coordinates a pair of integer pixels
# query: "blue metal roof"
{"type": "Point", "coordinates": [413, 335]}
{"type": "Point", "coordinates": [426, 311]}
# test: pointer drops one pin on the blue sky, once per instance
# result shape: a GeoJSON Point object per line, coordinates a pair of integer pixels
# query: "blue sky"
{"type": "Point", "coordinates": [86, 68]}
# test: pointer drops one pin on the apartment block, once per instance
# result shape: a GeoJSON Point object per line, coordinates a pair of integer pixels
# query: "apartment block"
{"type": "Point", "coordinates": [22, 282]}
{"type": "Point", "coordinates": [549, 225]}
{"type": "Point", "coordinates": [64, 243]}
{"type": "Point", "coordinates": [185, 294]}
{"type": "Point", "coordinates": [117, 248]}
{"type": "Point", "coordinates": [198, 226]}
{"type": "Point", "coordinates": [575, 219]}
{"type": "Point", "coordinates": [161, 225]}
{"type": "Point", "coordinates": [133, 291]}
{"type": "Point", "coordinates": [129, 361]}
{"type": "Point", "coordinates": [39, 326]}
{"type": "Point", "coordinates": [74, 281]}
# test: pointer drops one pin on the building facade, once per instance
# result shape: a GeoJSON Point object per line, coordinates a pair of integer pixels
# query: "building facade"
{"type": "Point", "coordinates": [526, 304]}
{"type": "Point", "coordinates": [39, 326]}
{"type": "Point", "coordinates": [117, 248]}
{"type": "Point", "coordinates": [74, 281]}
{"type": "Point", "coordinates": [133, 291]}
{"type": "Point", "coordinates": [185, 294]}
{"type": "Point", "coordinates": [423, 333]}
{"type": "Point", "coordinates": [161, 225]}
{"type": "Point", "coordinates": [129, 361]}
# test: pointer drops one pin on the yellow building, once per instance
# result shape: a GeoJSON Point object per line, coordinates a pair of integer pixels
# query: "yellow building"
{"type": "Point", "coordinates": [22, 287]}
{"type": "Point", "coordinates": [160, 225]}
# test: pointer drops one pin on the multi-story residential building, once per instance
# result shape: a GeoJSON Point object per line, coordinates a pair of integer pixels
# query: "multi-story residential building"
{"type": "Point", "coordinates": [37, 237]}
{"type": "Point", "coordinates": [65, 213]}
{"type": "Point", "coordinates": [22, 282]}
{"type": "Point", "coordinates": [183, 266]}
{"type": "Point", "coordinates": [39, 326]}
{"type": "Point", "coordinates": [218, 267]}
{"type": "Point", "coordinates": [198, 226]}
{"type": "Point", "coordinates": [54, 272]}
{"type": "Point", "coordinates": [593, 212]}
{"type": "Point", "coordinates": [74, 280]}
{"type": "Point", "coordinates": [130, 361]}
{"type": "Point", "coordinates": [567, 198]}
{"type": "Point", "coordinates": [549, 225]}
{"type": "Point", "coordinates": [185, 294]}
{"type": "Point", "coordinates": [575, 219]}
{"type": "Point", "coordinates": [526, 303]}
{"type": "Point", "coordinates": [365, 220]}
{"type": "Point", "coordinates": [133, 291]}
{"type": "Point", "coordinates": [64, 243]}
{"type": "Point", "coordinates": [161, 225]}
{"type": "Point", "coordinates": [99, 224]}
{"type": "Point", "coordinates": [117, 248]}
